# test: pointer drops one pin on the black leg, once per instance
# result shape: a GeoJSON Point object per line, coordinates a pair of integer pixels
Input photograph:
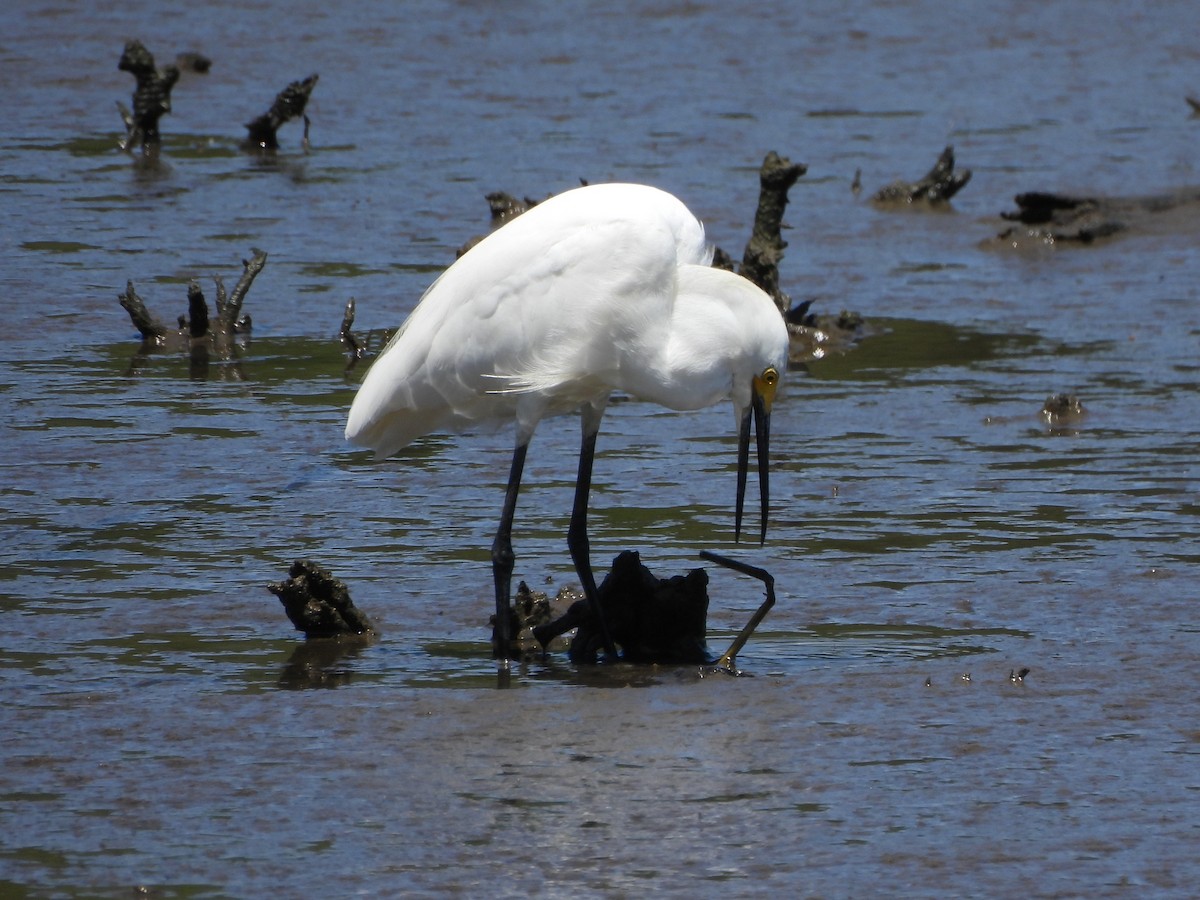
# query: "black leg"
{"type": "Point", "coordinates": [577, 538]}
{"type": "Point", "coordinates": [503, 558]}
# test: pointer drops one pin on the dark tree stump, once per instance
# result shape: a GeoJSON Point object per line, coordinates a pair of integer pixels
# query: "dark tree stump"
{"type": "Point", "coordinates": [652, 620]}
{"type": "Point", "coordinates": [936, 188]}
{"type": "Point", "coordinates": [151, 99]}
{"type": "Point", "coordinates": [289, 104]}
{"type": "Point", "coordinates": [764, 250]}
{"type": "Point", "coordinates": [811, 336]}
{"type": "Point", "coordinates": [319, 604]}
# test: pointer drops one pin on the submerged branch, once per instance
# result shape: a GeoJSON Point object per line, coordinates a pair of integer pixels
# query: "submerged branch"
{"type": "Point", "coordinates": [230, 311]}
{"type": "Point", "coordinates": [1051, 218]}
{"type": "Point", "coordinates": [289, 104]}
{"type": "Point", "coordinates": [349, 341]}
{"type": "Point", "coordinates": [935, 188]}
{"type": "Point", "coordinates": [200, 336]}
{"type": "Point", "coordinates": [149, 327]}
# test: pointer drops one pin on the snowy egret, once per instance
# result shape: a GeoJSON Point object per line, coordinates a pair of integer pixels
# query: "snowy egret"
{"type": "Point", "coordinates": [599, 289]}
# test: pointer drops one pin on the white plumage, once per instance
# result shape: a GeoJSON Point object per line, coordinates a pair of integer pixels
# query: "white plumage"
{"type": "Point", "coordinates": [603, 288]}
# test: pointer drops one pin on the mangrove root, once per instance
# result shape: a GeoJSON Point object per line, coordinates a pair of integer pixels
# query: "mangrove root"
{"type": "Point", "coordinates": [812, 336]}
{"type": "Point", "coordinates": [229, 319]}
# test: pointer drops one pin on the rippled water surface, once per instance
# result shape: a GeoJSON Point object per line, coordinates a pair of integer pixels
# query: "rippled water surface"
{"type": "Point", "coordinates": [164, 727]}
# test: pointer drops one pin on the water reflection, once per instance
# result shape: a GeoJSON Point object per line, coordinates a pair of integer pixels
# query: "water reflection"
{"type": "Point", "coordinates": [322, 663]}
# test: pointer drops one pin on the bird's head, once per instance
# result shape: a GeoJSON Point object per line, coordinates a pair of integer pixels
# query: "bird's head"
{"type": "Point", "coordinates": [759, 366]}
{"type": "Point", "coordinates": [727, 339]}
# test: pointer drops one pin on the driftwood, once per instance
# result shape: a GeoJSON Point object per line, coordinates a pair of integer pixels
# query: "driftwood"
{"type": "Point", "coordinates": [935, 189]}
{"type": "Point", "coordinates": [1051, 218]}
{"type": "Point", "coordinates": [289, 104]}
{"type": "Point", "coordinates": [319, 604]}
{"type": "Point", "coordinates": [200, 335]}
{"type": "Point", "coordinates": [335, 629]}
{"type": "Point", "coordinates": [151, 99]}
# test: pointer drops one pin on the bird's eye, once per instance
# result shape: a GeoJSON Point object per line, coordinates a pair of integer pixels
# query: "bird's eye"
{"type": "Point", "coordinates": [770, 376]}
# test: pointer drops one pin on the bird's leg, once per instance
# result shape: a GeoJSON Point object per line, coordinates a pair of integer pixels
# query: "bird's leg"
{"type": "Point", "coordinates": [502, 555]}
{"type": "Point", "coordinates": [577, 538]}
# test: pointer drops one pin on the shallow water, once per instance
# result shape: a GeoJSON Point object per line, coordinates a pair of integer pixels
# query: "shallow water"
{"type": "Point", "coordinates": [927, 524]}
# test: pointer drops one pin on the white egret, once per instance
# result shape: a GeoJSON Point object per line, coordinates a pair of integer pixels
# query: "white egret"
{"type": "Point", "coordinates": [603, 288]}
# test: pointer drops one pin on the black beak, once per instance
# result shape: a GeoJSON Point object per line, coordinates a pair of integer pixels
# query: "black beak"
{"type": "Point", "coordinates": [760, 409]}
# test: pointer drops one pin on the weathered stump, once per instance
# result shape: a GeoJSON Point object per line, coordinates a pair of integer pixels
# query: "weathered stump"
{"type": "Point", "coordinates": [151, 99]}
{"type": "Point", "coordinates": [319, 604]}
{"type": "Point", "coordinates": [652, 620]}
{"type": "Point", "coordinates": [934, 189]}
{"type": "Point", "coordinates": [289, 104]}
{"type": "Point", "coordinates": [764, 250]}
